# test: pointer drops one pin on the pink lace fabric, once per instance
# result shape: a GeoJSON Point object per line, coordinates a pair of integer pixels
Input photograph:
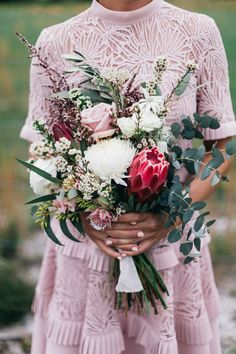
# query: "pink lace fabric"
{"type": "Point", "coordinates": [74, 296]}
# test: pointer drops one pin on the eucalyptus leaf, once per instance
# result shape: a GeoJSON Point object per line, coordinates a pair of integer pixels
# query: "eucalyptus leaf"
{"type": "Point", "coordinates": [188, 260]}
{"type": "Point", "coordinates": [186, 248]}
{"type": "Point", "coordinates": [210, 223]}
{"type": "Point", "coordinates": [174, 236]}
{"type": "Point", "coordinates": [188, 215]}
{"type": "Point", "coordinates": [175, 129]}
{"type": "Point", "coordinates": [231, 148]}
{"type": "Point", "coordinates": [215, 180]}
{"type": "Point", "coordinates": [78, 225]}
{"type": "Point", "coordinates": [131, 202]}
{"type": "Point", "coordinates": [198, 205]}
{"type": "Point", "coordinates": [197, 243]}
{"type": "Point", "coordinates": [198, 223]}
{"type": "Point", "coordinates": [205, 173]}
{"type": "Point", "coordinates": [183, 85]}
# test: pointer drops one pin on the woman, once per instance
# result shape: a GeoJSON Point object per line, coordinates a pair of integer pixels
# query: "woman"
{"type": "Point", "coordinates": [74, 312]}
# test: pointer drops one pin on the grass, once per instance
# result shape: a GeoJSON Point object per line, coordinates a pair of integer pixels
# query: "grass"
{"type": "Point", "coordinates": [29, 19]}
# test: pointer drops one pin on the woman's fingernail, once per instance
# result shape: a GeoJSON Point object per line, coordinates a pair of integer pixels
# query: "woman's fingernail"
{"type": "Point", "coordinates": [119, 258]}
{"type": "Point", "coordinates": [134, 249]}
{"type": "Point", "coordinates": [109, 242]}
{"type": "Point", "coordinates": [124, 255]}
{"type": "Point", "coordinates": [140, 234]}
{"type": "Point", "coordinates": [133, 223]}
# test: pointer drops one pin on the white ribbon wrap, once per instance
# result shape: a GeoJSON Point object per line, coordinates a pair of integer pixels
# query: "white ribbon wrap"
{"type": "Point", "coordinates": [129, 281]}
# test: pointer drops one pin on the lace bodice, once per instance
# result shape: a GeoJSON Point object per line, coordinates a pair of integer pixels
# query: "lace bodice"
{"type": "Point", "coordinates": [133, 41]}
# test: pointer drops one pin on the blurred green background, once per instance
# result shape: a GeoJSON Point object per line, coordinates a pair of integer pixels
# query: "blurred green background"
{"type": "Point", "coordinates": [16, 226]}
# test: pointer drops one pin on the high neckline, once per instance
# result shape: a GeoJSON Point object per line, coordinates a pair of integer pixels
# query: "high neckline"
{"type": "Point", "coordinates": [124, 17]}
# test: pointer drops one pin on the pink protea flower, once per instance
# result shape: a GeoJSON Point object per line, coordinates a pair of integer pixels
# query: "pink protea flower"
{"type": "Point", "coordinates": [62, 130]}
{"type": "Point", "coordinates": [100, 219]}
{"type": "Point", "coordinates": [148, 172]}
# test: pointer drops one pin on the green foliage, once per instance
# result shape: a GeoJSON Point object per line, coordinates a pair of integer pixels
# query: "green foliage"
{"type": "Point", "coordinates": [15, 295]}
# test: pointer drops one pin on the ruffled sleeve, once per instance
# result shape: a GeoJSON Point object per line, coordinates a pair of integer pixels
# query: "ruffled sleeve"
{"type": "Point", "coordinates": [214, 97]}
{"type": "Point", "coordinates": [38, 106]}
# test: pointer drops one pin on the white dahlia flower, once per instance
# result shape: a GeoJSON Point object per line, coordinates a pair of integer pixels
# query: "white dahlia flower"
{"type": "Point", "coordinates": [40, 185]}
{"type": "Point", "coordinates": [110, 159]}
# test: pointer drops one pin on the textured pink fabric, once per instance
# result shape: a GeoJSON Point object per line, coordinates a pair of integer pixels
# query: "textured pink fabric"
{"type": "Point", "coordinates": [74, 297]}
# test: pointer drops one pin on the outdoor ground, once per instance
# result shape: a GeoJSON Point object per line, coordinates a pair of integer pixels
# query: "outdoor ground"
{"type": "Point", "coordinates": [14, 66]}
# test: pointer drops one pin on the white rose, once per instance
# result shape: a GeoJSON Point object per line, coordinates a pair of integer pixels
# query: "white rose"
{"type": "Point", "coordinates": [127, 125]}
{"type": "Point", "coordinates": [150, 121]}
{"type": "Point", "coordinates": [40, 185]}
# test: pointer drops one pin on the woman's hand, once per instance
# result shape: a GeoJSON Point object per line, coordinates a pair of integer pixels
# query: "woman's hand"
{"type": "Point", "coordinates": [98, 237]}
{"type": "Point", "coordinates": [135, 233]}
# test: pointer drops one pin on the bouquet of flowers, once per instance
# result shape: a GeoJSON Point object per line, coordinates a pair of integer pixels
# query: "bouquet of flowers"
{"type": "Point", "coordinates": [107, 150]}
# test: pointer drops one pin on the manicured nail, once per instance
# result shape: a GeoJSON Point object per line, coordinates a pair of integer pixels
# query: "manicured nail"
{"type": "Point", "coordinates": [119, 258]}
{"type": "Point", "coordinates": [140, 234]}
{"type": "Point", "coordinates": [109, 242]}
{"type": "Point", "coordinates": [134, 249]}
{"type": "Point", "coordinates": [124, 255]}
{"type": "Point", "coordinates": [133, 223]}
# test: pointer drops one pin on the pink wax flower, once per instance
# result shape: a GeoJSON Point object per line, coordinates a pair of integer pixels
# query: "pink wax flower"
{"type": "Point", "coordinates": [62, 130]}
{"type": "Point", "coordinates": [64, 205]}
{"type": "Point", "coordinates": [148, 172]}
{"type": "Point", "coordinates": [100, 219]}
{"type": "Point", "coordinates": [98, 119]}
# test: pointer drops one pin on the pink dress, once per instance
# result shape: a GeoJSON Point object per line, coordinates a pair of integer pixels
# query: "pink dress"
{"type": "Point", "coordinates": [74, 298]}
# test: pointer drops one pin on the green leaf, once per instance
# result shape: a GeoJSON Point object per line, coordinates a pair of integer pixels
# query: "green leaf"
{"type": "Point", "coordinates": [34, 210]}
{"type": "Point", "coordinates": [73, 57]}
{"type": "Point", "coordinates": [214, 124]}
{"type": "Point", "coordinates": [138, 207]}
{"type": "Point", "coordinates": [175, 129]}
{"type": "Point", "coordinates": [197, 117]}
{"type": "Point", "coordinates": [174, 236]}
{"type": "Point", "coordinates": [198, 205]}
{"type": "Point", "coordinates": [190, 231]}
{"type": "Point", "coordinates": [83, 146]}
{"type": "Point", "coordinates": [183, 85]}
{"type": "Point", "coordinates": [50, 232]}
{"type": "Point", "coordinates": [40, 172]}
{"type": "Point", "coordinates": [198, 223]}
{"type": "Point", "coordinates": [66, 231]}
{"type": "Point", "coordinates": [197, 243]}
{"type": "Point", "coordinates": [205, 123]}
{"type": "Point", "coordinates": [144, 208]}
{"type": "Point", "coordinates": [186, 248]}
{"type": "Point", "coordinates": [188, 124]}
{"type": "Point", "coordinates": [215, 180]}
{"type": "Point", "coordinates": [44, 198]}
{"type": "Point", "coordinates": [187, 215]}
{"type": "Point", "coordinates": [188, 134]}
{"type": "Point", "coordinates": [131, 202]}
{"type": "Point", "coordinates": [197, 166]}
{"type": "Point", "coordinates": [78, 225]}
{"type": "Point", "coordinates": [210, 223]}
{"type": "Point", "coordinates": [217, 160]}
{"type": "Point", "coordinates": [205, 173]}
{"type": "Point", "coordinates": [176, 164]}
{"type": "Point", "coordinates": [188, 260]}
{"type": "Point", "coordinates": [231, 148]}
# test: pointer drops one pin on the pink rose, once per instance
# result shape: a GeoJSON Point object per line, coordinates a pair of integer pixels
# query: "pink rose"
{"type": "Point", "coordinates": [100, 219]}
{"type": "Point", "coordinates": [64, 205]}
{"type": "Point", "coordinates": [98, 119]}
{"type": "Point", "coordinates": [148, 172]}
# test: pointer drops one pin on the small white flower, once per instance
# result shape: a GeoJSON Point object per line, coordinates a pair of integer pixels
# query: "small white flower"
{"type": "Point", "coordinates": [73, 151]}
{"type": "Point", "coordinates": [61, 164]}
{"type": "Point", "coordinates": [63, 145]}
{"type": "Point", "coordinates": [127, 125]}
{"type": "Point", "coordinates": [40, 185]}
{"type": "Point", "coordinates": [110, 159]}
{"type": "Point", "coordinates": [116, 77]}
